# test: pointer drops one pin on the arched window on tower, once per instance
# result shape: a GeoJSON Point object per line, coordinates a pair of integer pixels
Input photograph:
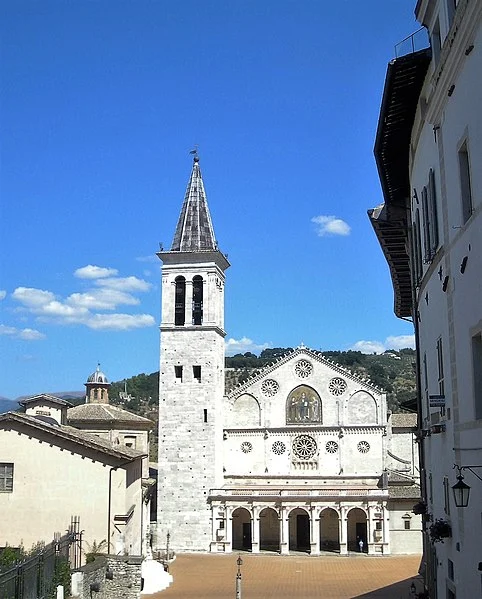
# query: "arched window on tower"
{"type": "Point", "coordinates": [180, 306]}
{"type": "Point", "coordinates": [197, 300]}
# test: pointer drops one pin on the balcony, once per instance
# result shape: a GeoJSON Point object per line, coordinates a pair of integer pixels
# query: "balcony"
{"type": "Point", "coordinates": [403, 83]}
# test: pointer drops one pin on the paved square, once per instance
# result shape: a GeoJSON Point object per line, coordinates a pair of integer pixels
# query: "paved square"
{"type": "Point", "coordinates": [206, 576]}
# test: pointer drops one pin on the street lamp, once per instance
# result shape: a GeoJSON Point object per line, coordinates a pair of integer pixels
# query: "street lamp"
{"type": "Point", "coordinates": [461, 490]}
{"type": "Point", "coordinates": [239, 562]}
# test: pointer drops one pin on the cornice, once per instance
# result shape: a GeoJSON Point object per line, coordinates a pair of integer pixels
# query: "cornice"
{"type": "Point", "coordinates": [318, 356]}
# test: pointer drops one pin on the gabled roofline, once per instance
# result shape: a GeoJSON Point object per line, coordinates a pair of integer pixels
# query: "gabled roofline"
{"type": "Point", "coordinates": [51, 398]}
{"type": "Point", "coordinates": [297, 352]}
{"type": "Point", "coordinates": [74, 436]}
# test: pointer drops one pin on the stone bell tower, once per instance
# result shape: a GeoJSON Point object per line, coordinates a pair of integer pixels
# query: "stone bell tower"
{"type": "Point", "coordinates": [191, 385]}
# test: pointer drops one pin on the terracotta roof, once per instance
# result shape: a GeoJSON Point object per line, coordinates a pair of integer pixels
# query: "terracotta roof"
{"type": "Point", "coordinates": [405, 492]}
{"type": "Point", "coordinates": [74, 435]}
{"type": "Point", "coordinates": [404, 420]}
{"type": "Point", "coordinates": [91, 412]}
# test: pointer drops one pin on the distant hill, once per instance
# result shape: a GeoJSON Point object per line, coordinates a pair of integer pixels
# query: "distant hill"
{"type": "Point", "coordinates": [393, 371]}
{"type": "Point", "coordinates": [8, 405]}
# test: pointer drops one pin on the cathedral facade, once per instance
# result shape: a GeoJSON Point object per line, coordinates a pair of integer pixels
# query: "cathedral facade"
{"type": "Point", "coordinates": [302, 457]}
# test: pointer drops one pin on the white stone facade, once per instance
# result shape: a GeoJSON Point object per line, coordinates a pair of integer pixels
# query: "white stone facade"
{"type": "Point", "coordinates": [307, 464]}
{"type": "Point", "coordinates": [301, 457]}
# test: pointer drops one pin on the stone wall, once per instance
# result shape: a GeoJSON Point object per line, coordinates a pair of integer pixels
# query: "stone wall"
{"type": "Point", "coordinates": [109, 577]}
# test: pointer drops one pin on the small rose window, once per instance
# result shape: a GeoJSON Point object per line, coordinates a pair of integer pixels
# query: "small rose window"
{"type": "Point", "coordinates": [363, 447]}
{"type": "Point", "coordinates": [246, 447]}
{"type": "Point", "coordinates": [278, 447]}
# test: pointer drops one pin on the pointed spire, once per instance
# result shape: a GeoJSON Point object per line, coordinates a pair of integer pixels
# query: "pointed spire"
{"type": "Point", "coordinates": [194, 231]}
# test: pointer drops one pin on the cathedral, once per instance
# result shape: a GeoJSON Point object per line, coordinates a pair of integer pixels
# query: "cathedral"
{"type": "Point", "coordinates": [303, 456]}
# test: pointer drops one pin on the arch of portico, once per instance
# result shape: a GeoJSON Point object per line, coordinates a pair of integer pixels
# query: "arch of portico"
{"type": "Point", "coordinates": [269, 530]}
{"type": "Point", "coordinates": [357, 529]}
{"type": "Point", "coordinates": [329, 530]}
{"type": "Point", "coordinates": [299, 530]}
{"type": "Point", "coordinates": [241, 529]}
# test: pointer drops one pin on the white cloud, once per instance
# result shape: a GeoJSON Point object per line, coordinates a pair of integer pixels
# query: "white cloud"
{"type": "Point", "coordinates": [400, 342]}
{"type": "Point", "coordinates": [368, 347]}
{"type": "Point", "coordinates": [243, 345]}
{"type": "Point", "coordinates": [86, 307]}
{"type": "Point", "coordinates": [3, 294]}
{"type": "Point", "coordinates": [378, 347]}
{"type": "Point", "coordinates": [26, 334]}
{"type": "Point", "coordinates": [124, 284]}
{"type": "Point", "coordinates": [120, 322]}
{"type": "Point", "coordinates": [94, 272]}
{"type": "Point", "coordinates": [102, 299]}
{"type": "Point", "coordinates": [330, 225]}
{"type": "Point", "coordinates": [4, 330]}
{"type": "Point", "coordinates": [33, 298]}
{"type": "Point", "coordinates": [31, 335]}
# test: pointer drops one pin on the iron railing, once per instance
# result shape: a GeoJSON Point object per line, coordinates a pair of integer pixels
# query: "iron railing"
{"type": "Point", "coordinates": [36, 576]}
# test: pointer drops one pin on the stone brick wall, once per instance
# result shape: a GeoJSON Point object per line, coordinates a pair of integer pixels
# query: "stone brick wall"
{"type": "Point", "coordinates": [109, 577]}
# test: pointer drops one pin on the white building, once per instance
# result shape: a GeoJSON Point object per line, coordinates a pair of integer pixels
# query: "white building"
{"type": "Point", "coordinates": [428, 150]}
{"type": "Point", "coordinates": [301, 457]}
{"type": "Point", "coordinates": [95, 469]}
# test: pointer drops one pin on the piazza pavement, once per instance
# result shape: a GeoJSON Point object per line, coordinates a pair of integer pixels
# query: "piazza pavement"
{"type": "Point", "coordinates": [208, 576]}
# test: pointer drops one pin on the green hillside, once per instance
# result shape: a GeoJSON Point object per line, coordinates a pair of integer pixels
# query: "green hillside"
{"type": "Point", "coordinates": [393, 371]}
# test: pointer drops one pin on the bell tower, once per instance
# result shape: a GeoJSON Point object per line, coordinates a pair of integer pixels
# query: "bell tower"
{"type": "Point", "coordinates": [191, 380]}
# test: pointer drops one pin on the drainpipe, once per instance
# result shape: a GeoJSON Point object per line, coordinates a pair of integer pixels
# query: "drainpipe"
{"type": "Point", "coordinates": [109, 501]}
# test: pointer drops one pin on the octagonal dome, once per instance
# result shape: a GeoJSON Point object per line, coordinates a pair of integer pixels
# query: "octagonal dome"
{"type": "Point", "coordinates": [98, 376]}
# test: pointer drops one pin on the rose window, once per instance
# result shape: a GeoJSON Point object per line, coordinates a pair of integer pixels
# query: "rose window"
{"type": "Point", "coordinates": [331, 447]}
{"type": "Point", "coordinates": [278, 447]}
{"type": "Point", "coordinates": [304, 447]}
{"type": "Point", "coordinates": [246, 446]}
{"type": "Point", "coordinates": [269, 387]}
{"type": "Point", "coordinates": [363, 447]}
{"type": "Point", "coordinates": [303, 368]}
{"type": "Point", "coordinates": [337, 386]}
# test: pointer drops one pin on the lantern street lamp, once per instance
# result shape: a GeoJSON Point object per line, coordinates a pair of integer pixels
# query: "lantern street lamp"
{"type": "Point", "coordinates": [461, 489]}
{"type": "Point", "coordinates": [239, 562]}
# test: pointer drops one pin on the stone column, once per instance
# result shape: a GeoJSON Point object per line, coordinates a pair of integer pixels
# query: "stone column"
{"type": "Point", "coordinates": [315, 531]}
{"type": "Point", "coordinates": [188, 305]}
{"type": "Point", "coordinates": [284, 531]}
{"type": "Point", "coordinates": [370, 531]}
{"type": "Point", "coordinates": [228, 546]}
{"type": "Point", "coordinates": [255, 529]}
{"type": "Point", "coordinates": [343, 531]}
{"type": "Point", "coordinates": [386, 529]}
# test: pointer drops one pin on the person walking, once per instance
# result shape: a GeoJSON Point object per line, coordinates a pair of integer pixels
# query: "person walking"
{"type": "Point", "coordinates": [360, 544]}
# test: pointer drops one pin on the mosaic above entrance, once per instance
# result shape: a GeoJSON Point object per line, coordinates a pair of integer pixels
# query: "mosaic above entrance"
{"type": "Point", "coordinates": [303, 406]}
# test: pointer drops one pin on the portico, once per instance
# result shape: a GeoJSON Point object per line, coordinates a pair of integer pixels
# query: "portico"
{"type": "Point", "coordinates": [312, 521]}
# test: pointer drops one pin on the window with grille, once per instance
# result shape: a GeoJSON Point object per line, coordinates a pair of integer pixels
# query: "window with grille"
{"type": "Point", "coordinates": [6, 478]}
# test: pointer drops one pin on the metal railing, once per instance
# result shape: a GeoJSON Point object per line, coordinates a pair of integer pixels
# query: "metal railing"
{"type": "Point", "coordinates": [418, 40]}
{"type": "Point", "coordinates": [36, 576]}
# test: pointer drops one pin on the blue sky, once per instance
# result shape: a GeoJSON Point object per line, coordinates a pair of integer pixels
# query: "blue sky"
{"type": "Point", "coordinates": [101, 102]}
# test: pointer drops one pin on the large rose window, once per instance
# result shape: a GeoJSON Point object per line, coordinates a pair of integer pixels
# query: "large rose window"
{"type": "Point", "coordinates": [304, 447]}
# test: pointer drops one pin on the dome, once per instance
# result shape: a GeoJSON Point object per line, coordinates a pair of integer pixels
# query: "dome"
{"type": "Point", "coordinates": [98, 376]}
